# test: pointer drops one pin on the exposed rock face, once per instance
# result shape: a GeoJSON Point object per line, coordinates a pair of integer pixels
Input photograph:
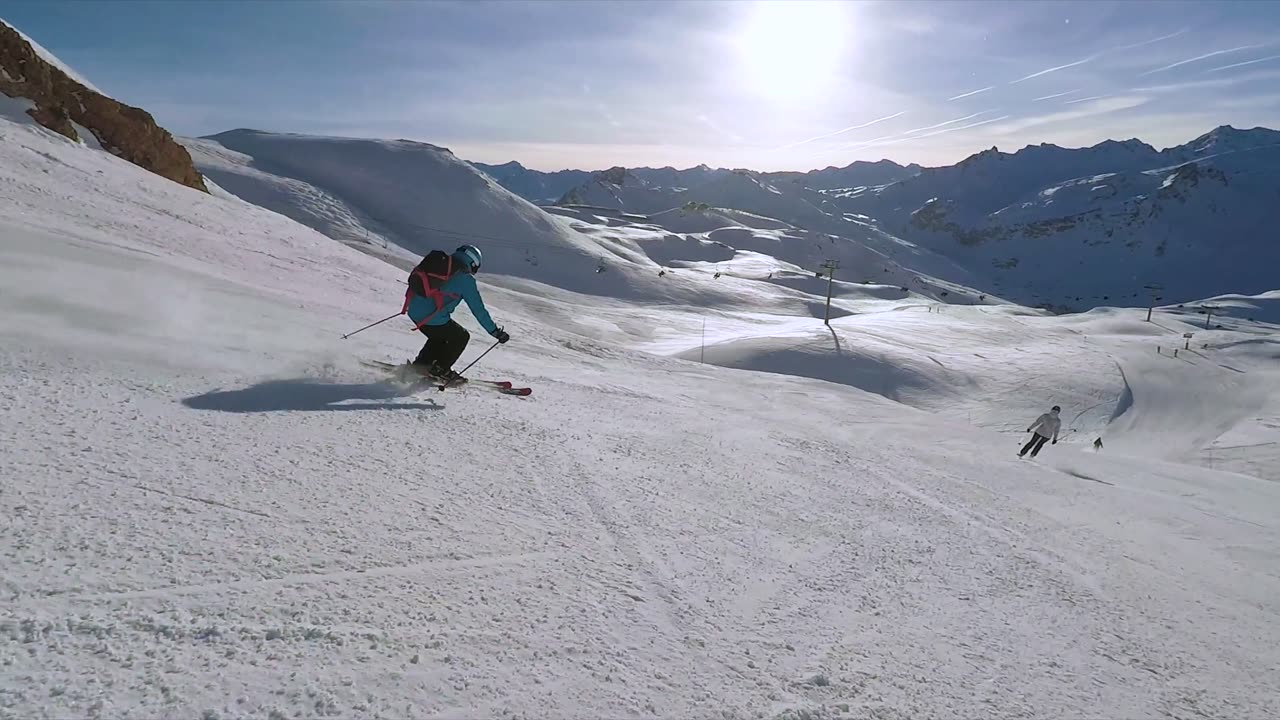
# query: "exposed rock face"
{"type": "Point", "coordinates": [127, 132]}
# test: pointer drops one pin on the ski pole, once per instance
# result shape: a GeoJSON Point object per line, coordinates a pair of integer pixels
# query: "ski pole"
{"type": "Point", "coordinates": [366, 327]}
{"type": "Point", "coordinates": [473, 362]}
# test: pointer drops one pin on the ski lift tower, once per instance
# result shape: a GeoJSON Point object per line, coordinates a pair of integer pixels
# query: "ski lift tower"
{"type": "Point", "coordinates": [1154, 292]}
{"type": "Point", "coordinates": [1208, 314]}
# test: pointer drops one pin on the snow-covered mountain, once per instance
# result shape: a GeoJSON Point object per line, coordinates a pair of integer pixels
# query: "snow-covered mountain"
{"type": "Point", "coordinates": [532, 185]}
{"type": "Point", "coordinates": [36, 86]}
{"type": "Point", "coordinates": [411, 197]}
{"type": "Point", "coordinates": [546, 188]}
{"type": "Point", "coordinates": [745, 190]}
{"type": "Point", "coordinates": [713, 504]}
{"type": "Point", "coordinates": [858, 174]}
{"type": "Point", "coordinates": [398, 198]}
{"type": "Point", "coordinates": [620, 189]}
{"type": "Point", "coordinates": [1078, 228]}
{"type": "Point", "coordinates": [549, 187]}
{"type": "Point", "coordinates": [1061, 228]}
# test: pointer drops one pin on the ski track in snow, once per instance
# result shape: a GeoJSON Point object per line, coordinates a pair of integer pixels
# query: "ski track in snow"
{"type": "Point", "coordinates": [210, 510]}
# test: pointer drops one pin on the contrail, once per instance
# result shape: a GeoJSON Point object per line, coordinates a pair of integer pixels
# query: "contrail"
{"type": "Point", "coordinates": [1242, 64]}
{"type": "Point", "coordinates": [949, 122]}
{"type": "Point", "coordinates": [1206, 56]}
{"type": "Point", "coordinates": [963, 127]}
{"type": "Point", "coordinates": [1053, 69]}
{"type": "Point", "coordinates": [866, 142]}
{"type": "Point", "coordinates": [1087, 99]}
{"type": "Point", "coordinates": [1144, 43]}
{"type": "Point", "coordinates": [841, 132]}
{"type": "Point", "coordinates": [892, 140]}
{"type": "Point", "coordinates": [1057, 95]}
{"type": "Point", "coordinates": [968, 94]}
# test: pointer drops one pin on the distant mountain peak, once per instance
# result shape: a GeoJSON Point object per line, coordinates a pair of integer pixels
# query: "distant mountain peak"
{"type": "Point", "coordinates": [616, 175]}
{"type": "Point", "coordinates": [1226, 138]}
{"type": "Point", "coordinates": [991, 153]}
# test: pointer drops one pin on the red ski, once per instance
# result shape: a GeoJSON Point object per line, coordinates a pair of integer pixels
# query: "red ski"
{"type": "Point", "coordinates": [403, 371]}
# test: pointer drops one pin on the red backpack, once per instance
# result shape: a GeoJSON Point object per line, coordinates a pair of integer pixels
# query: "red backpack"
{"type": "Point", "coordinates": [427, 278]}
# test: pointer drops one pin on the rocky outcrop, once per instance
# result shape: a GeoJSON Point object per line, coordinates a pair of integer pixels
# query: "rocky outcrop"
{"type": "Point", "coordinates": [61, 103]}
{"type": "Point", "coordinates": [613, 176]}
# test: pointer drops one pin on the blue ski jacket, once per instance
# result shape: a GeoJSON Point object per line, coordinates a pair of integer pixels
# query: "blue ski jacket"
{"type": "Point", "coordinates": [458, 288]}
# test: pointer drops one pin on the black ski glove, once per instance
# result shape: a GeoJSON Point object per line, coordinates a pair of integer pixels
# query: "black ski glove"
{"type": "Point", "coordinates": [500, 335]}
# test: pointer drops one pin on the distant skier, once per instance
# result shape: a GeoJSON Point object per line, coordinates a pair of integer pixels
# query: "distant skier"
{"type": "Point", "coordinates": [436, 286]}
{"type": "Point", "coordinates": [1044, 427]}
{"type": "Point", "coordinates": [1097, 445]}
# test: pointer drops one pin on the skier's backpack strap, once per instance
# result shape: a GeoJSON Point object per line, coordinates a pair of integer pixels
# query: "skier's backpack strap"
{"type": "Point", "coordinates": [426, 280]}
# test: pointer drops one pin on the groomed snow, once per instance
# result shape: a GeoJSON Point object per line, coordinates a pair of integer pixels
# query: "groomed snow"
{"type": "Point", "coordinates": [210, 510]}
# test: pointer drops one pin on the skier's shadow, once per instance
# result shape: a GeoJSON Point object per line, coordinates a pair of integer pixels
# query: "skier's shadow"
{"type": "Point", "coordinates": [307, 395]}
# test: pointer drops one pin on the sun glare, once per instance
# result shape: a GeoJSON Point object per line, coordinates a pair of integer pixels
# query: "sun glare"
{"type": "Point", "coordinates": [791, 50]}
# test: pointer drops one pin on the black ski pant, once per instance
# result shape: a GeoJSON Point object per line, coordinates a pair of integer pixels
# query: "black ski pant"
{"type": "Point", "coordinates": [444, 345]}
{"type": "Point", "coordinates": [1036, 442]}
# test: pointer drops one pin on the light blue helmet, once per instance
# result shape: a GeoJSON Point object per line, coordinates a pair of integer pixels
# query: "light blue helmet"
{"type": "Point", "coordinates": [470, 257]}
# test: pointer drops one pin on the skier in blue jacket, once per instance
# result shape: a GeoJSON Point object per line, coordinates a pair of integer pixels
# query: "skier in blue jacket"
{"type": "Point", "coordinates": [431, 308]}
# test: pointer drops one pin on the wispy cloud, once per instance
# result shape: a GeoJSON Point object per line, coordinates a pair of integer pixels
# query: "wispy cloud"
{"type": "Point", "coordinates": [719, 129]}
{"type": "Point", "coordinates": [971, 93]}
{"type": "Point", "coordinates": [944, 124]}
{"type": "Point", "coordinates": [1269, 58]}
{"type": "Point", "coordinates": [841, 132]}
{"type": "Point", "coordinates": [895, 139]}
{"type": "Point", "coordinates": [1046, 71]}
{"type": "Point", "coordinates": [916, 134]}
{"type": "Point", "coordinates": [1098, 106]}
{"type": "Point", "coordinates": [1198, 58]}
{"type": "Point", "coordinates": [1057, 95]}
{"type": "Point", "coordinates": [1213, 82]}
{"type": "Point", "coordinates": [1250, 102]}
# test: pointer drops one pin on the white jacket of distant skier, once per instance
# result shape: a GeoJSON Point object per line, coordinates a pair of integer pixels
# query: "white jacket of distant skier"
{"type": "Point", "coordinates": [1047, 425]}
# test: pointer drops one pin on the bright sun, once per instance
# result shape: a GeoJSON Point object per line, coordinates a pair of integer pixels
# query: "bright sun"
{"type": "Point", "coordinates": [790, 50]}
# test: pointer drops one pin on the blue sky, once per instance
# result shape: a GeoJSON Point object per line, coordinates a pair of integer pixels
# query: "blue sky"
{"type": "Point", "coordinates": [794, 84]}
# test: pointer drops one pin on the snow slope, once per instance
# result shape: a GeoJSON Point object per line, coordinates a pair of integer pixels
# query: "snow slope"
{"type": "Point", "coordinates": [744, 190]}
{"type": "Point", "coordinates": [411, 197]}
{"type": "Point", "coordinates": [999, 367]}
{"type": "Point", "coordinates": [211, 510]}
{"type": "Point", "coordinates": [795, 225]}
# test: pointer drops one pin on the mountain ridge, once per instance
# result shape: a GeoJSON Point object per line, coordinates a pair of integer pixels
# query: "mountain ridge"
{"type": "Point", "coordinates": [63, 102]}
